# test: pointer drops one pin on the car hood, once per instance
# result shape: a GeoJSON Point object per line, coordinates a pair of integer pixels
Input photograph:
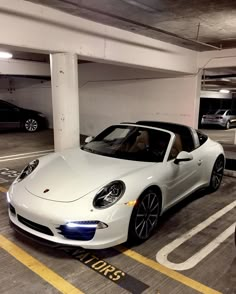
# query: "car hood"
{"type": "Point", "coordinates": [70, 175]}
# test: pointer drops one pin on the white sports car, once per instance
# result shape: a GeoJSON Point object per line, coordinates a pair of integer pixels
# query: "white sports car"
{"type": "Point", "coordinates": [116, 186]}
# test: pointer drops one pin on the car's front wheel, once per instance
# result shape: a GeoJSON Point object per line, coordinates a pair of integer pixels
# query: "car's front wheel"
{"type": "Point", "coordinates": [31, 125]}
{"type": "Point", "coordinates": [217, 174]}
{"type": "Point", "coordinates": [145, 216]}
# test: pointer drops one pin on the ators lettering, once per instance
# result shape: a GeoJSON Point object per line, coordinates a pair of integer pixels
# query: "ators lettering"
{"type": "Point", "coordinates": [100, 266]}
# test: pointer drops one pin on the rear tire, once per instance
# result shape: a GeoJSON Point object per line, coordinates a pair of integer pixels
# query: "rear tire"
{"type": "Point", "coordinates": [217, 174]}
{"type": "Point", "coordinates": [144, 217]}
{"type": "Point", "coordinates": [227, 126]}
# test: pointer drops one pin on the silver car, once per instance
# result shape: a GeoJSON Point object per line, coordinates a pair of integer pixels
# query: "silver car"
{"type": "Point", "coordinates": [222, 117]}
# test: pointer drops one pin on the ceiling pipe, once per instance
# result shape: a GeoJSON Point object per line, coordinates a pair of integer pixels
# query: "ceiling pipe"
{"type": "Point", "coordinates": [133, 22]}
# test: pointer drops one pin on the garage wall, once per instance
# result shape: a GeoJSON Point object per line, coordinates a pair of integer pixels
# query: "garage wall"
{"type": "Point", "coordinates": [28, 93]}
{"type": "Point", "coordinates": [112, 99]}
{"type": "Point", "coordinates": [111, 94]}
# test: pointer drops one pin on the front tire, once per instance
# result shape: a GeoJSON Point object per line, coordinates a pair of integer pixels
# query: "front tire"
{"type": "Point", "coordinates": [144, 217]}
{"type": "Point", "coordinates": [217, 174]}
{"type": "Point", "coordinates": [31, 125]}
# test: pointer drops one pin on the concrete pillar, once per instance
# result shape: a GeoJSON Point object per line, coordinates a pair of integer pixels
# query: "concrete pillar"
{"type": "Point", "coordinates": [65, 100]}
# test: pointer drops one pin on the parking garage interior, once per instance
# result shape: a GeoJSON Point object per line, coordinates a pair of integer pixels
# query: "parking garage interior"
{"type": "Point", "coordinates": [86, 65]}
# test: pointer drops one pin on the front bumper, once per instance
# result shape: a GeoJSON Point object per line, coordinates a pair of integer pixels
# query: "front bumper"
{"type": "Point", "coordinates": [38, 214]}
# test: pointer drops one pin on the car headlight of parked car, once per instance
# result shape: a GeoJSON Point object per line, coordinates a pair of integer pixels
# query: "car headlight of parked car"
{"type": "Point", "coordinates": [28, 170]}
{"type": "Point", "coordinates": [109, 194]}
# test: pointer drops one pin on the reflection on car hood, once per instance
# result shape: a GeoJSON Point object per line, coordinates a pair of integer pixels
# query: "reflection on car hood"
{"type": "Point", "coordinates": [72, 174]}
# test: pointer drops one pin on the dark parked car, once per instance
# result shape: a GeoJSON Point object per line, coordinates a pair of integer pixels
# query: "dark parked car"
{"type": "Point", "coordinates": [12, 116]}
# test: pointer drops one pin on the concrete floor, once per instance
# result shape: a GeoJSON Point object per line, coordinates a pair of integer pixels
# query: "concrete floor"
{"type": "Point", "coordinates": [225, 137]}
{"type": "Point", "coordinates": [32, 268]}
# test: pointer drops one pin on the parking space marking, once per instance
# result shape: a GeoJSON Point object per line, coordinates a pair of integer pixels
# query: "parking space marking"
{"type": "Point", "coordinates": [166, 271]}
{"type": "Point", "coordinates": [107, 270]}
{"type": "Point", "coordinates": [162, 255]}
{"type": "Point", "coordinates": [2, 181]}
{"type": "Point", "coordinates": [3, 190]}
{"type": "Point", "coordinates": [39, 268]}
{"type": "Point", "coordinates": [23, 157]}
{"type": "Point", "coordinates": [25, 154]}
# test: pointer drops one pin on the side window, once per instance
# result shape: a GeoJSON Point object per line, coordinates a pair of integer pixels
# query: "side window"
{"type": "Point", "coordinates": [176, 148]}
{"type": "Point", "coordinates": [202, 138]}
{"type": "Point", "coordinates": [187, 142]}
{"type": "Point", "coordinates": [228, 112]}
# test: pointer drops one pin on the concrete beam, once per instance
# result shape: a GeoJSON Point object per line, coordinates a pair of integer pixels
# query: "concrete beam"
{"type": "Point", "coordinates": [24, 68]}
{"type": "Point", "coordinates": [43, 29]}
{"type": "Point", "coordinates": [217, 59]}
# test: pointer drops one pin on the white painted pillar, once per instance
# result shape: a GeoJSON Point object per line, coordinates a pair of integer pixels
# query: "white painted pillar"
{"type": "Point", "coordinates": [65, 100]}
{"type": "Point", "coordinates": [197, 96]}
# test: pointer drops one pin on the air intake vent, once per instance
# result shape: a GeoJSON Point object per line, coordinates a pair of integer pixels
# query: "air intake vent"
{"type": "Point", "coordinates": [35, 226]}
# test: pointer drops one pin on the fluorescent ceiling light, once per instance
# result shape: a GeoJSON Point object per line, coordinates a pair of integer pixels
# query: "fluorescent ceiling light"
{"type": "Point", "coordinates": [140, 5]}
{"type": "Point", "coordinates": [5, 55]}
{"type": "Point", "coordinates": [225, 91]}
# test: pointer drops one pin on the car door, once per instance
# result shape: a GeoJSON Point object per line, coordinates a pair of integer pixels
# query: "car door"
{"type": "Point", "coordinates": [9, 115]}
{"type": "Point", "coordinates": [182, 177]}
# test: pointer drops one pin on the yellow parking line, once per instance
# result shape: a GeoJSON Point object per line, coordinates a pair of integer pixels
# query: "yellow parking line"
{"type": "Point", "coordinates": [2, 189]}
{"type": "Point", "coordinates": [166, 271]}
{"type": "Point", "coordinates": [37, 267]}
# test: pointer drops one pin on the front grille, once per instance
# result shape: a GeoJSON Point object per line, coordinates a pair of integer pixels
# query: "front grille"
{"type": "Point", "coordinates": [35, 226]}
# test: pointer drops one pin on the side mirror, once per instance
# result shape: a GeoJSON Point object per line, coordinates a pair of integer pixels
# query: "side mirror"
{"type": "Point", "coordinates": [183, 156]}
{"type": "Point", "coordinates": [88, 139]}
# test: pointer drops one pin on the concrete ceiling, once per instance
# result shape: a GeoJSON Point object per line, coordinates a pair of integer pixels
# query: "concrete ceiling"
{"type": "Point", "coordinates": [219, 78]}
{"type": "Point", "coordinates": [181, 22]}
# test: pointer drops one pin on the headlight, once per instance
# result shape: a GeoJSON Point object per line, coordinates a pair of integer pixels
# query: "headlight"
{"type": "Point", "coordinates": [109, 194]}
{"type": "Point", "coordinates": [28, 170]}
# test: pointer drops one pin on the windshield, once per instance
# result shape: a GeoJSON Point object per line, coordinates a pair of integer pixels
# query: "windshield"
{"type": "Point", "coordinates": [131, 143]}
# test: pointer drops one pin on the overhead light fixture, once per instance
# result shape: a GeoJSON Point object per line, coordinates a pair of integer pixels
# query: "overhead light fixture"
{"type": "Point", "coordinates": [5, 55]}
{"type": "Point", "coordinates": [140, 5]}
{"type": "Point", "coordinates": [224, 91]}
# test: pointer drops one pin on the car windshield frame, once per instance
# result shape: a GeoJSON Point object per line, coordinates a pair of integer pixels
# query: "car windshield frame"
{"type": "Point", "coordinates": [131, 142]}
{"type": "Point", "coordinates": [221, 111]}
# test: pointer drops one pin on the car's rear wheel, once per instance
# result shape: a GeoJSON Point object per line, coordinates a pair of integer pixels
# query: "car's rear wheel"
{"type": "Point", "coordinates": [145, 216]}
{"type": "Point", "coordinates": [31, 125]}
{"type": "Point", "coordinates": [227, 126]}
{"type": "Point", "coordinates": [217, 174]}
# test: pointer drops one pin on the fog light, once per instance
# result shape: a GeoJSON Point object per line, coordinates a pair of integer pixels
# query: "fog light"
{"type": "Point", "coordinates": [87, 224]}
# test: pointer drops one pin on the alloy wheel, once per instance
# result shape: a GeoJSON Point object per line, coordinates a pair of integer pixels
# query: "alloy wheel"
{"type": "Point", "coordinates": [31, 125]}
{"type": "Point", "coordinates": [217, 173]}
{"type": "Point", "coordinates": [147, 215]}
